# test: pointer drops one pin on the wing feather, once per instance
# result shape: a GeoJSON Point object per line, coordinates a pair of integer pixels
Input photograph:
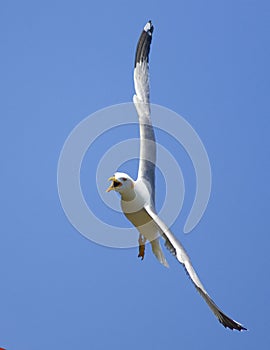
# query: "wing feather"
{"type": "Point", "coordinates": [141, 100]}
{"type": "Point", "coordinates": [176, 248]}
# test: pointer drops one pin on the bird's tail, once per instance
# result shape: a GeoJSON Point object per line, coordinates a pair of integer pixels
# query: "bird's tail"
{"type": "Point", "coordinates": [156, 249]}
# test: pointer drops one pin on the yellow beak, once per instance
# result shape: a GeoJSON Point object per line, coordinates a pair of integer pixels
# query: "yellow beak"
{"type": "Point", "coordinates": [111, 188]}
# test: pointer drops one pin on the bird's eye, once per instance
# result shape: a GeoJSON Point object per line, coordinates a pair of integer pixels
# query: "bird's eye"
{"type": "Point", "coordinates": [124, 179]}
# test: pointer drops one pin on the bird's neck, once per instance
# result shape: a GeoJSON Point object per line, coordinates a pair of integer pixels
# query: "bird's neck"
{"type": "Point", "coordinates": [128, 195]}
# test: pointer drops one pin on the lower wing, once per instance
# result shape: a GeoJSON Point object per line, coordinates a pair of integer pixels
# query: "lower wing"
{"type": "Point", "coordinates": [176, 248]}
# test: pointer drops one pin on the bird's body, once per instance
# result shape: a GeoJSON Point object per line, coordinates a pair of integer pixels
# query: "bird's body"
{"type": "Point", "coordinates": [138, 196]}
{"type": "Point", "coordinates": [133, 204]}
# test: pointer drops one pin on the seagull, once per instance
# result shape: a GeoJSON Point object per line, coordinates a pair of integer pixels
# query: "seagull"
{"type": "Point", "coordinates": [138, 196]}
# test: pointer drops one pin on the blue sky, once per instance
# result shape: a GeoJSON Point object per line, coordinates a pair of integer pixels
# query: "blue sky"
{"type": "Point", "coordinates": [64, 60]}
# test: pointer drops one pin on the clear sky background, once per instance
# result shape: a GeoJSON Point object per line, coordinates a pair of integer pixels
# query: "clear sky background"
{"type": "Point", "coordinates": [60, 62]}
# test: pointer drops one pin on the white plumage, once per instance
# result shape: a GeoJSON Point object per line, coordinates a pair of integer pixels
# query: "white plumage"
{"type": "Point", "coordinates": [138, 197]}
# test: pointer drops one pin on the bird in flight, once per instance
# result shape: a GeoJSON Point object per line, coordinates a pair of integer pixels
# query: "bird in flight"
{"type": "Point", "coordinates": [138, 196]}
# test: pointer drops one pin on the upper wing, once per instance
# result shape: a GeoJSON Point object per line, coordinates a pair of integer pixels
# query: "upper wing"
{"type": "Point", "coordinates": [141, 101]}
{"type": "Point", "coordinates": [179, 252]}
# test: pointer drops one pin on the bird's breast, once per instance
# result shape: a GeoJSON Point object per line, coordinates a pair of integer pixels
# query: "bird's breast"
{"type": "Point", "coordinates": [139, 218]}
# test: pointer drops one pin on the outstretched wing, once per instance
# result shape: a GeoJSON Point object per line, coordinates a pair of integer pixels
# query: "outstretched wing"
{"type": "Point", "coordinates": [176, 248]}
{"type": "Point", "coordinates": [142, 104]}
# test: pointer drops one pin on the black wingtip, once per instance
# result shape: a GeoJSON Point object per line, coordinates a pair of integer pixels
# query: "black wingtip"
{"type": "Point", "coordinates": [229, 323]}
{"type": "Point", "coordinates": [143, 46]}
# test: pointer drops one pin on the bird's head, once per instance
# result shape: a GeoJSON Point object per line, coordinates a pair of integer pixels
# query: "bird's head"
{"type": "Point", "coordinates": [121, 183]}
